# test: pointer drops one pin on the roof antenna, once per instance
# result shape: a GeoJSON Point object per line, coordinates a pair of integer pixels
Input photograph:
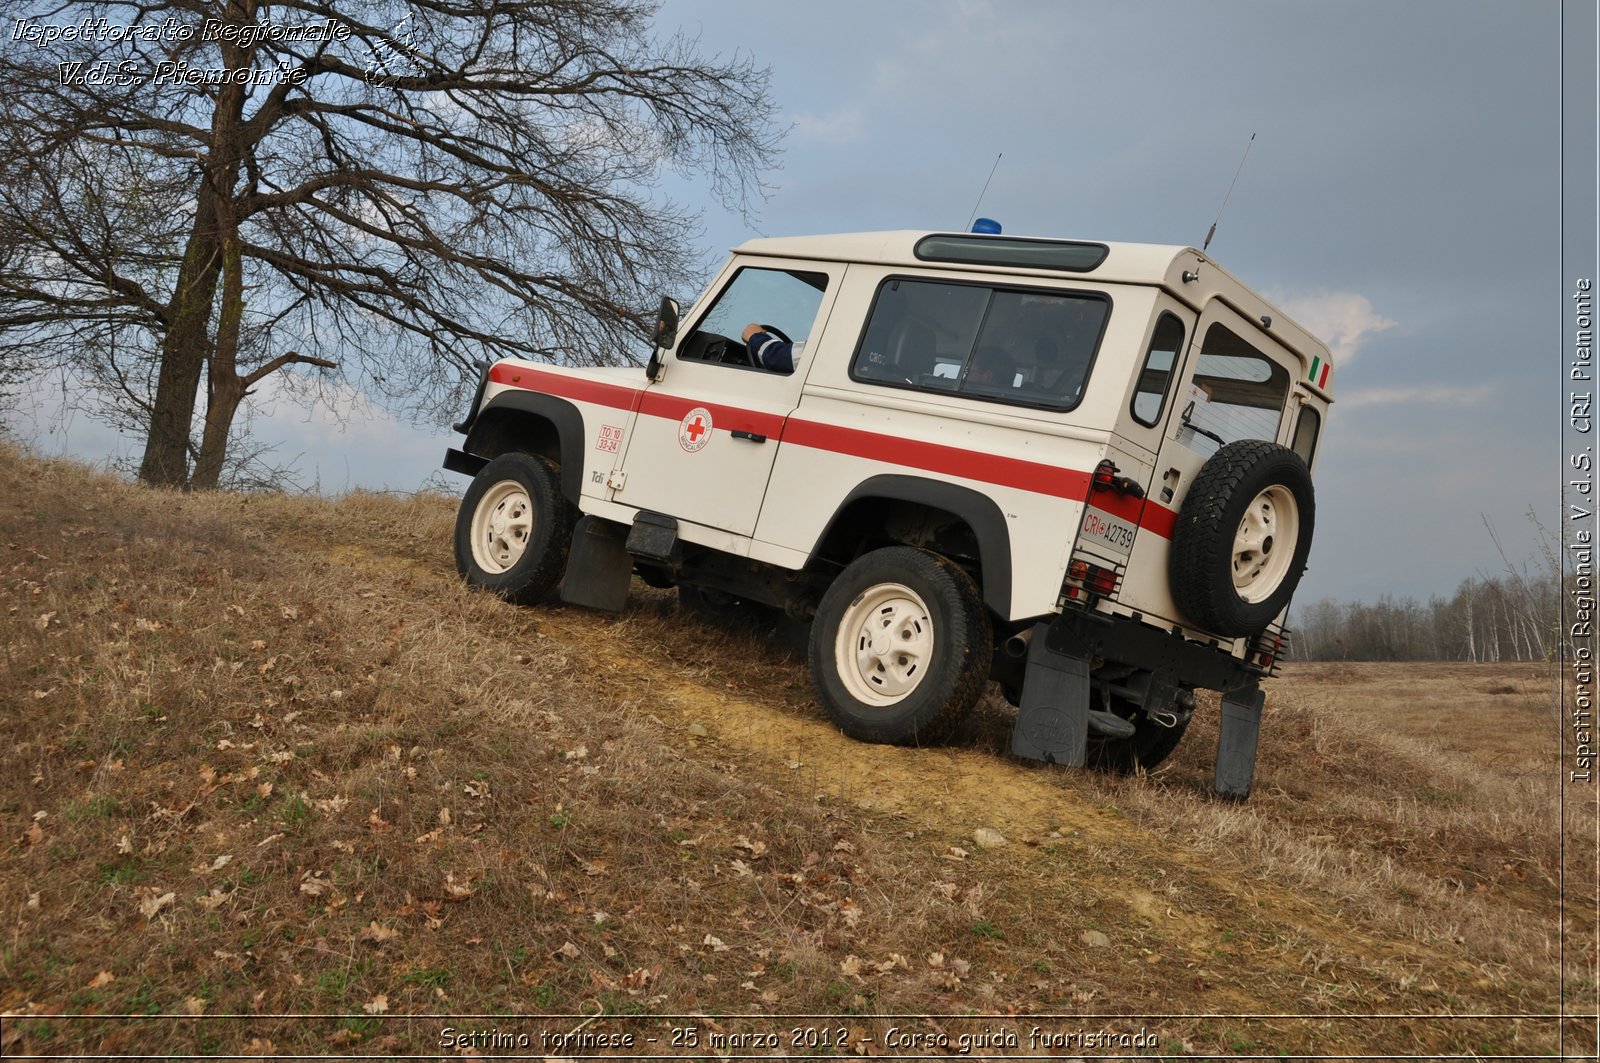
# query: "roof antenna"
{"type": "Point", "coordinates": [979, 203]}
{"type": "Point", "coordinates": [1213, 230]}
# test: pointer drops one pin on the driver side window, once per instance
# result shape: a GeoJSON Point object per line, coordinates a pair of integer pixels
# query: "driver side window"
{"type": "Point", "coordinates": [785, 299]}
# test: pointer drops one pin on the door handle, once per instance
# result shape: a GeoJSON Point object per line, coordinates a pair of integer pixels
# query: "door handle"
{"type": "Point", "coordinates": [1169, 484]}
{"type": "Point", "coordinates": [749, 436]}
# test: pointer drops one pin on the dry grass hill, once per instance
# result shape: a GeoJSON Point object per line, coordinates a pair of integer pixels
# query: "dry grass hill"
{"type": "Point", "coordinates": [273, 781]}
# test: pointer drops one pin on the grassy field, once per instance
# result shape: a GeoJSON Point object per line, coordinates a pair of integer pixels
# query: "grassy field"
{"type": "Point", "coordinates": [273, 782]}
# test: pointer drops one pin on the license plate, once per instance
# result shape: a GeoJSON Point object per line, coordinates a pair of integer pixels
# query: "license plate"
{"type": "Point", "coordinates": [1101, 527]}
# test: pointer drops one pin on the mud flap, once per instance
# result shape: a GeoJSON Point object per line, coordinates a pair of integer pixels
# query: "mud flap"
{"type": "Point", "coordinates": [1053, 720]}
{"type": "Point", "coordinates": [1236, 741]}
{"type": "Point", "coordinates": [598, 566]}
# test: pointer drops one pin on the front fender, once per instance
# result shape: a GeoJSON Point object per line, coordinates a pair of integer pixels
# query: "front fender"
{"type": "Point", "coordinates": [533, 422]}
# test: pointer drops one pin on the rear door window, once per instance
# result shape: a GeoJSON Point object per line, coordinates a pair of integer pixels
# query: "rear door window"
{"type": "Point", "coordinates": [1236, 393]}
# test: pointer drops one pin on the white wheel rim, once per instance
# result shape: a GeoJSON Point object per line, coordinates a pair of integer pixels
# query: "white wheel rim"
{"type": "Point", "coordinates": [501, 527]}
{"type": "Point", "coordinates": [885, 644]}
{"type": "Point", "coordinates": [1264, 545]}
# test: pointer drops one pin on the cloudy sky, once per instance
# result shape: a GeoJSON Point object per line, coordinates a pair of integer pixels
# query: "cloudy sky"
{"type": "Point", "coordinates": [1400, 199]}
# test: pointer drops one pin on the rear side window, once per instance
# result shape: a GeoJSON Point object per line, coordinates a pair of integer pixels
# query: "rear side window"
{"type": "Point", "coordinates": [1237, 393]}
{"type": "Point", "coordinates": [1155, 376]}
{"type": "Point", "coordinates": [1305, 434]}
{"type": "Point", "coordinates": [1026, 347]}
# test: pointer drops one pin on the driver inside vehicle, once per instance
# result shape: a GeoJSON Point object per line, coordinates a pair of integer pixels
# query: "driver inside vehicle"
{"type": "Point", "coordinates": [770, 349]}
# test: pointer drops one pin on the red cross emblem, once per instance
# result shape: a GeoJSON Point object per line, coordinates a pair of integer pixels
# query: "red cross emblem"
{"type": "Point", "coordinates": [694, 431]}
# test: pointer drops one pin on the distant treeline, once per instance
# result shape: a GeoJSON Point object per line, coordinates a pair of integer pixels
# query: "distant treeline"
{"type": "Point", "coordinates": [1510, 619]}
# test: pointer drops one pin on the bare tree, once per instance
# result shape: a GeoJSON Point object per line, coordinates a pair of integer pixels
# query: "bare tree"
{"type": "Point", "coordinates": [218, 191]}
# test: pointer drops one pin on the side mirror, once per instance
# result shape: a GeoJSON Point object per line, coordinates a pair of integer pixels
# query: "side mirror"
{"type": "Point", "coordinates": [664, 336]}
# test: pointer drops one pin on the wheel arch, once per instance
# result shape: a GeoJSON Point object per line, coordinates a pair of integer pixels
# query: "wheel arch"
{"type": "Point", "coordinates": [535, 423]}
{"type": "Point", "coordinates": [864, 510]}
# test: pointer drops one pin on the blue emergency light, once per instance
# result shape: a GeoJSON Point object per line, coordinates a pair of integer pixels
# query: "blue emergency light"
{"type": "Point", "coordinates": [987, 226]}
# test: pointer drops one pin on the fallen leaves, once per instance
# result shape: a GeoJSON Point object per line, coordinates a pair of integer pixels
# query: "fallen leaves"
{"type": "Point", "coordinates": [152, 904]}
{"type": "Point", "coordinates": [213, 900]}
{"type": "Point", "coordinates": [216, 865]}
{"type": "Point", "coordinates": [853, 966]}
{"type": "Point", "coordinates": [377, 935]}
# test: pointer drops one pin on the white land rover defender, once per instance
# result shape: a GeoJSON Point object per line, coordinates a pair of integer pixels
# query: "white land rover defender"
{"type": "Point", "coordinates": [1081, 469]}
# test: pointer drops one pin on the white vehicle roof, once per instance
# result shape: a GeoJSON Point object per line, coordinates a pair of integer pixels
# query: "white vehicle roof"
{"type": "Point", "coordinates": [1182, 271]}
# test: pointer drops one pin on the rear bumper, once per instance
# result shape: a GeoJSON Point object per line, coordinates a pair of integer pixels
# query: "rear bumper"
{"type": "Point", "coordinates": [1097, 636]}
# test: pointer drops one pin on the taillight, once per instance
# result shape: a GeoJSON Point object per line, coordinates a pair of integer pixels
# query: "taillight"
{"type": "Point", "coordinates": [1267, 647]}
{"type": "Point", "coordinates": [1094, 579]}
{"type": "Point", "coordinates": [1105, 478]}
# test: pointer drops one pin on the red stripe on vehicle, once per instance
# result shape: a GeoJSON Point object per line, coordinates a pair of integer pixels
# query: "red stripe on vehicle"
{"type": "Point", "coordinates": [727, 418]}
{"type": "Point", "coordinates": [567, 387]}
{"type": "Point", "coordinates": [1032, 476]}
{"type": "Point", "coordinates": [1158, 519]}
{"type": "Point", "coordinates": [937, 457]}
{"type": "Point", "coordinates": [1152, 516]}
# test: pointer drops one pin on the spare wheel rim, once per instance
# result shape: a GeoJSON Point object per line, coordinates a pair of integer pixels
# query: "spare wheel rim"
{"type": "Point", "coordinates": [501, 527]}
{"type": "Point", "coordinates": [1264, 545]}
{"type": "Point", "coordinates": [884, 646]}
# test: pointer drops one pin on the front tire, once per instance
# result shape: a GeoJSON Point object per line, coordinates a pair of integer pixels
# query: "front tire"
{"type": "Point", "coordinates": [900, 646]}
{"type": "Point", "coordinates": [514, 529]}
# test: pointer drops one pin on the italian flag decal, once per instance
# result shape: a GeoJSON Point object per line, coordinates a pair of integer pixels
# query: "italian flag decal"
{"type": "Point", "coordinates": [1319, 373]}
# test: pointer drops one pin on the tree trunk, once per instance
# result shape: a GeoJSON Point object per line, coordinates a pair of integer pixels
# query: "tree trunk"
{"type": "Point", "coordinates": [226, 388]}
{"type": "Point", "coordinates": [185, 348]}
{"type": "Point", "coordinates": [183, 351]}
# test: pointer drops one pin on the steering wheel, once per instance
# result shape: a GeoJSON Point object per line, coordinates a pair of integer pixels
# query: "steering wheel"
{"type": "Point", "coordinates": [774, 330]}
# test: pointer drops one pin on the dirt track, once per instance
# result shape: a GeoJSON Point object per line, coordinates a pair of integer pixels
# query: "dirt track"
{"type": "Point", "coordinates": [949, 793]}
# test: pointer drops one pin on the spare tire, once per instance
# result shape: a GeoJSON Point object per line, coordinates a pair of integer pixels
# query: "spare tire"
{"type": "Point", "coordinates": [1242, 537]}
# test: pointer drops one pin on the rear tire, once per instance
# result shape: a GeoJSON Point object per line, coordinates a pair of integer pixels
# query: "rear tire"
{"type": "Point", "coordinates": [900, 646]}
{"type": "Point", "coordinates": [514, 529]}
